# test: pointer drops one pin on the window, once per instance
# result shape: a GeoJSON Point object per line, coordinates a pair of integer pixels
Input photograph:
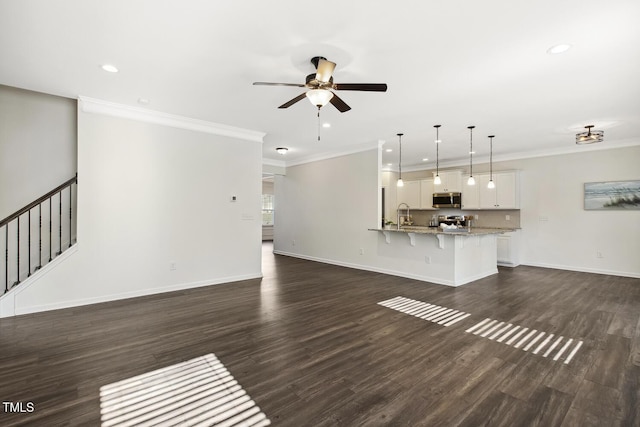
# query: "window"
{"type": "Point", "coordinates": [267, 209]}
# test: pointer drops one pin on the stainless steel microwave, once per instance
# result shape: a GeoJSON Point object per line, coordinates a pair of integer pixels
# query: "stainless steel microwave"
{"type": "Point", "coordinates": [447, 200]}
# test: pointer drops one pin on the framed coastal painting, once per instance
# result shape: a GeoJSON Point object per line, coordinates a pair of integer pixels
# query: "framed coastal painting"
{"type": "Point", "coordinates": [612, 195]}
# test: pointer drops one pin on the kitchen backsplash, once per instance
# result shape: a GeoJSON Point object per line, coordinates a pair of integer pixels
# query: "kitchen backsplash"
{"type": "Point", "coordinates": [486, 218]}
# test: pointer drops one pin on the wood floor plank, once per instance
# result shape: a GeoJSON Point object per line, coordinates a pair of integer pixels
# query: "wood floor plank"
{"type": "Point", "coordinates": [310, 344]}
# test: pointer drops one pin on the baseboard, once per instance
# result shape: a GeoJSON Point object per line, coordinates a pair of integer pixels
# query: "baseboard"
{"type": "Point", "coordinates": [140, 293]}
{"type": "Point", "coordinates": [583, 269]}
{"type": "Point", "coordinates": [434, 280]}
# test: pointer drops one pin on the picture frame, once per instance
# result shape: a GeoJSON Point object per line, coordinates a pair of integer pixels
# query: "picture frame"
{"type": "Point", "coordinates": [612, 195]}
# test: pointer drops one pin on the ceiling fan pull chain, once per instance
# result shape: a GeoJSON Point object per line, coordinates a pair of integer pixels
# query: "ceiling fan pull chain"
{"type": "Point", "coordinates": [318, 123]}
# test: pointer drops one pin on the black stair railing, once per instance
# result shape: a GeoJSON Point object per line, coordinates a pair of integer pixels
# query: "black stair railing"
{"type": "Point", "coordinates": [16, 248]}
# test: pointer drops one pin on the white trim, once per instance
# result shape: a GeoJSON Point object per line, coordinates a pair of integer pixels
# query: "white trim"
{"type": "Point", "coordinates": [434, 280]}
{"type": "Point", "coordinates": [140, 293]}
{"type": "Point", "coordinates": [8, 300]}
{"type": "Point", "coordinates": [97, 106]}
{"type": "Point", "coordinates": [583, 269]}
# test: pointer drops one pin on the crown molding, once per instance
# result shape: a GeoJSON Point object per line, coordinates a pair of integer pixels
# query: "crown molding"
{"type": "Point", "coordinates": [272, 162]}
{"type": "Point", "coordinates": [577, 149]}
{"type": "Point", "coordinates": [98, 106]}
{"type": "Point", "coordinates": [330, 155]}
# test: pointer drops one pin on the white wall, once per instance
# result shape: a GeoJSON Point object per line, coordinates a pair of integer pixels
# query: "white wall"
{"type": "Point", "coordinates": [37, 145]}
{"type": "Point", "coordinates": [325, 207]}
{"type": "Point", "coordinates": [553, 188]}
{"type": "Point", "coordinates": [150, 195]}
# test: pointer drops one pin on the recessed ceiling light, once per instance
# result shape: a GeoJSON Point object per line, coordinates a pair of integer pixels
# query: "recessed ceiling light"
{"type": "Point", "coordinates": [472, 152]}
{"type": "Point", "coordinates": [425, 159]}
{"type": "Point", "coordinates": [110, 68]}
{"type": "Point", "coordinates": [559, 48]}
{"type": "Point", "coordinates": [438, 141]}
{"type": "Point", "coordinates": [326, 125]}
{"type": "Point", "coordinates": [388, 150]}
{"type": "Point", "coordinates": [389, 164]}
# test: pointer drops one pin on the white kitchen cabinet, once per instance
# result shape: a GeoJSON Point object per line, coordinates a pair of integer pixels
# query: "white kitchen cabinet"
{"type": "Point", "coordinates": [426, 194]}
{"type": "Point", "coordinates": [409, 193]}
{"type": "Point", "coordinates": [451, 182]}
{"type": "Point", "coordinates": [508, 246]}
{"type": "Point", "coordinates": [505, 195]}
{"type": "Point", "coordinates": [470, 194]}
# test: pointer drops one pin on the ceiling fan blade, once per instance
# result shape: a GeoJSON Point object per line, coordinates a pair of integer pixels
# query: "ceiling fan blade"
{"type": "Point", "coordinates": [369, 87]}
{"type": "Point", "coordinates": [339, 103]}
{"type": "Point", "coordinates": [277, 84]}
{"type": "Point", "coordinates": [293, 101]}
{"type": "Point", "coordinates": [325, 70]}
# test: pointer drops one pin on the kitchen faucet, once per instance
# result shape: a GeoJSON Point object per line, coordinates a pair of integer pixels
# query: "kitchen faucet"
{"type": "Point", "coordinates": [399, 213]}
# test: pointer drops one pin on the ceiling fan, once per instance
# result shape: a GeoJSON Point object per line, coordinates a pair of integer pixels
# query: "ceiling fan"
{"type": "Point", "coordinates": [321, 86]}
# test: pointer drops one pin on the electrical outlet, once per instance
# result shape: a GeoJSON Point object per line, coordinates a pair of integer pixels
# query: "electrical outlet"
{"type": "Point", "coordinates": [599, 254]}
{"type": "Point", "coordinates": [361, 251]}
{"type": "Point", "coordinates": [427, 259]}
{"type": "Point", "coordinates": [172, 266]}
{"type": "Point", "coordinates": [477, 217]}
{"type": "Point", "coordinates": [507, 217]}
{"type": "Point", "coordinates": [293, 243]}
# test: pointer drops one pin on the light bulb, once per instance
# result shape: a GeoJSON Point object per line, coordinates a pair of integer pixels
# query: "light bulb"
{"type": "Point", "coordinates": [471, 181]}
{"type": "Point", "coordinates": [437, 180]}
{"type": "Point", "coordinates": [400, 183]}
{"type": "Point", "coordinates": [491, 184]}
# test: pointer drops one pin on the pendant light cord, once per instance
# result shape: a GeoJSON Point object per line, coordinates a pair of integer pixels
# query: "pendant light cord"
{"type": "Point", "coordinates": [471, 151]}
{"type": "Point", "coordinates": [491, 158]}
{"type": "Point", "coordinates": [400, 160]}
{"type": "Point", "coordinates": [437, 149]}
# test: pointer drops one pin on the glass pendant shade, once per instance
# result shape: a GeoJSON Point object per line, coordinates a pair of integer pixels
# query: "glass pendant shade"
{"type": "Point", "coordinates": [437, 180]}
{"type": "Point", "coordinates": [400, 182]}
{"type": "Point", "coordinates": [319, 97]}
{"type": "Point", "coordinates": [491, 184]}
{"type": "Point", "coordinates": [471, 181]}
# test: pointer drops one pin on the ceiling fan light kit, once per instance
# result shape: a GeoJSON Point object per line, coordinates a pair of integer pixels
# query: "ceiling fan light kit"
{"type": "Point", "coordinates": [319, 97]}
{"type": "Point", "coordinates": [590, 136]}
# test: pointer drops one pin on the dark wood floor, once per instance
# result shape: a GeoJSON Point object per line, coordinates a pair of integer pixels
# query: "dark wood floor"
{"type": "Point", "coordinates": [312, 347]}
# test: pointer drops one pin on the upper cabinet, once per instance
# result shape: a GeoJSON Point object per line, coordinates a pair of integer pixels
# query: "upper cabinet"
{"type": "Point", "coordinates": [409, 193]}
{"type": "Point", "coordinates": [505, 195]}
{"type": "Point", "coordinates": [470, 194]}
{"type": "Point", "coordinates": [451, 182]}
{"type": "Point", "coordinates": [426, 194]}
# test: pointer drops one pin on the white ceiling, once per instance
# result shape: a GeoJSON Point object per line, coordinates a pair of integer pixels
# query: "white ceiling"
{"type": "Point", "coordinates": [455, 63]}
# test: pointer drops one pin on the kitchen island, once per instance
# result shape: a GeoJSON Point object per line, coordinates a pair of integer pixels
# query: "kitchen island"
{"type": "Point", "coordinates": [447, 257]}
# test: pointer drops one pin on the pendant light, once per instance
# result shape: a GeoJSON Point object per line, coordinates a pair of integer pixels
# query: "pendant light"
{"type": "Point", "coordinates": [471, 180]}
{"type": "Point", "coordinates": [437, 180]}
{"type": "Point", "coordinates": [491, 184]}
{"type": "Point", "coordinates": [400, 182]}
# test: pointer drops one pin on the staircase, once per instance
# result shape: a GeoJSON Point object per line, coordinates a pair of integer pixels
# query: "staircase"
{"type": "Point", "coordinates": [36, 234]}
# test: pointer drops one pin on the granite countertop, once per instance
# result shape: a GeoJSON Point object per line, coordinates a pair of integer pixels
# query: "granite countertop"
{"type": "Point", "coordinates": [474, 231]}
